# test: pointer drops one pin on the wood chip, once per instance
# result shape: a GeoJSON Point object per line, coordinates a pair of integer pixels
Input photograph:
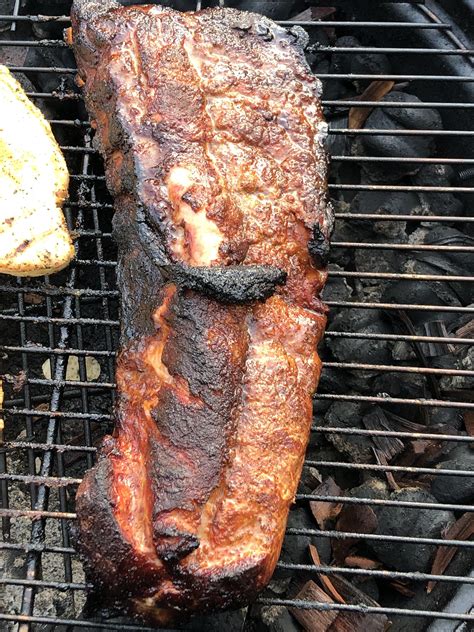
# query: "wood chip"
{"type": "Point", "coordinates": [314, 620]}
{"type": "Point", "coordinates": [374, 92]}
{"type": "Point", "coordinates": [324, 578]}
{"type": "Point", "coordinates": [354, 621]}
{"type": "Point", "coordinates": [357, 561]}
{"type": "Point", "coordinates": [462, 529]}
{"type": "Point", "coordinates": [353, 518]}
{"type": "Point", "coordinates": [382, 460]}
{"type": "Point", "coordinates": [402, 588]}
{"type": "Point", "coordinates": [377, 420]}
{"type": "Point", "coordinates": [17, 381]}
{"type": "Point", "coordinates": [324, 512]}
{"type": "Point", "coordinates": [319, 13]}
{"type": "Point", "coordinates": [303, 16]}
{"type": "Point", "coordinates": [467, 330]}
{"type": "Point", "coordinates": [469, 422]}
{"type": "Point", "coordinates": [313, 477]}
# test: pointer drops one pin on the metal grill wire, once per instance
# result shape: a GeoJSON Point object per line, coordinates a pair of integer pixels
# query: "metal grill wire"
{"type": "Point", "coordinates": [74, 315]}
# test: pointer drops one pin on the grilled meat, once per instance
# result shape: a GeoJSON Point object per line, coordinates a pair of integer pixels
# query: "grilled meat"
{"type": "Point", "coordinates": [34, 180]}
{"type": "Point", "coordinates": [211, 129]}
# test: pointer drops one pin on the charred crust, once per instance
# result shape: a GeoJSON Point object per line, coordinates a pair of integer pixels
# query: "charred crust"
{"type": "Point", "coordinates": [174, 545]}
{"type": "Point", "coordinates": [202, 365]}
{"type": "Point", "coordinates": [230, 284]}
{"type": "Point", "coordinates": [319, 247]}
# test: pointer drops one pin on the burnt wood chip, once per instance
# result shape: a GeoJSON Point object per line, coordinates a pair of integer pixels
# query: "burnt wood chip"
{"type": "Point", "coordinates": [324, 579]}
{"type": "Point", "coordinates": [314, 620]}
{"type": "Point", "coordinates": [358, 561]}
{"type": "Point", "coordinates": [389, 446]}
{"type": "Point", "coordinates": [374, 92]}
{"type": "Point", "coordinates": [462, 529]}
{"type": "Point", "coordinates": [359, 519]}
{"type": "Point", "coordinates": [320, 620]}
{"type": "Point", "coordinates": [382, 460]}
{"type": "Point", "coordinates": [469, 422]}
{"type": "Point", "coordinates": [229, 284]}
{"type": "Point", "coordinates": [324, 512]}
{"type": "Point", "coordinates": [355, 621]}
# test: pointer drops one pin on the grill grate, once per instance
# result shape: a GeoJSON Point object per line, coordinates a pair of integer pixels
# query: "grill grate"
{"type": "Point", "coordinates": [74, 315]}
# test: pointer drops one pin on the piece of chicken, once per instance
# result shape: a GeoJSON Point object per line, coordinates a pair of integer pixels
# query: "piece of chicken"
{"type": "Point", "coordinates": [34, 180]}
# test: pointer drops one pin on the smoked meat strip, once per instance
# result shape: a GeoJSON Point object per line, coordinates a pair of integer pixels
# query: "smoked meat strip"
{"type": "Point", "coordinates": [212, 134]}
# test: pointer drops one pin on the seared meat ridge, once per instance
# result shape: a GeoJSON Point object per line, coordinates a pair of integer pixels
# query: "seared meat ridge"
{"type": "Point", "coordinates": [211, 130]}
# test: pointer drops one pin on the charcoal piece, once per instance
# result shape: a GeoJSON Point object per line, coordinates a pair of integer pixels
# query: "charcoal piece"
{"type": "Point", "coordinates": [6, 8]}
{"type": "Point", "coordinates": [403, 351]}
{"type": "Point", "coordinates": [316, 56]}
{"type": "Point", "coordinates": [379, 202]}
{"type": "Point", "coordinates": [335, 88]}
{"type": "Point", "coordinates": [405, 385]}
{"type": "Point", "coordinates": [345, 478]}
{"type": "Point", "coordinates": [358, 63]}
{"type": "Point", "coordinates": [435, 175]}
{"type": "Point", "coordinates": [367, 585]}
{"type": "Point", "coordinates": [446, 235]}
{"type": "Point", "coordinates": [337, 144]}
{"type": "Point", "coordinates": [455, 489]}
{"type": "Point", "coordinates": [397, 146]}
{"type": "Point", "coordinates": [407, 521]}
{"type": "Point", "coordinates": [336, 288]}
{"type": "Point", "coordinates": [296, 547]}
{"type": "Point", "coordinates": [432, 349]}
{"type": "Point", "coordinates": [360, 350]}
{"type": "Point", "coordinates": [310, 478]}
{"type": "Point", "coordinates": [232, 621]}
{"type": "Point", "coordinates": [464, 361]}
{"type": "Point", "coordinates": [450, 263]}
{"type": "Point", "coordinates": [438, 203]}
{"type": "Point", "coordinates": [423, 293]}
{"type": "Point", "coordinates": [332, 381]}
{"type": "Point", "coordinates": [447, 418]}
{"type": "Point", "coordinates": [344, 257]}
{"type": "Point", "coordinates": [461, 566]}
{"type": "Point", "coordinates": [278, 586]}
{"type": "Point", "coordinates": [377, 261]}
{"type": "Point", "coordinates": [348, 415]}
{"type": "Point", "coordinates": [350, 63]}
{"type": "Point", "coordinates": [50, 57]}
{"type": "Point", "coordinates": [320, 406]}
{"type": "Point", "coordinates": [276, 619]}
{"type": "Point", "coordinates": [373, 488]}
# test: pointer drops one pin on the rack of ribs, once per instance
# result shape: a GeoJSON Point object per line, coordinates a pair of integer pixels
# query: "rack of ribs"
{"type": "Point", "coordinates": [212, 134]}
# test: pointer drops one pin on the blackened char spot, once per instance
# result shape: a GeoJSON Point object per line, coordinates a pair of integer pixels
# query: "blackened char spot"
{"type": "Point", "coordinates": [229, 284]}
{"type": "Point", "coordinates": [174, 545]}
{"type": "Point", "coordinates": [318, 247]}
{"type": "Point", "coordinates": [24, 244]}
